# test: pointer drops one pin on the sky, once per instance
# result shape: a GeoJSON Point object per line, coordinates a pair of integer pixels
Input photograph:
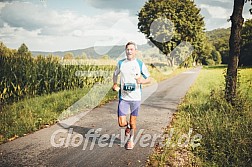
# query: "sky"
{"type": "Point", "coordinates": [61, 25]}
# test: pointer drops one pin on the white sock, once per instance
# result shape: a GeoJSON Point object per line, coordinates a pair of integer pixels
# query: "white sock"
{"type": "Point", "coordinates": [131, 138]}
{"type": "Point", "coordinates": [128, 125]}
{"type": "Point", "coordinates": [131, 135]}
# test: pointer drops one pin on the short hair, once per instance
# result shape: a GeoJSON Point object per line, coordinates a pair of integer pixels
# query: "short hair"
{"type": "Point", "coordinates": [131, 43]}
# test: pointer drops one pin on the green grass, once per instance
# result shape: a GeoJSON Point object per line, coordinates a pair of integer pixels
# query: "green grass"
{"type": "Point", "coordinates": [225, 129]}
{"type": "Point", "coordinates": [33, 114]}
{"type": "Point", "coordinates": [161, 73]}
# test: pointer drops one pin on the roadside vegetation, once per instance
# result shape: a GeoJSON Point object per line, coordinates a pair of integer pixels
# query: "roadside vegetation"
{"type": "Point", "coordinates": [36, 91]}
{"type": "Point", "coordinates": [31, 114]}
{"type": "Point", "coordinates": [225, 129]}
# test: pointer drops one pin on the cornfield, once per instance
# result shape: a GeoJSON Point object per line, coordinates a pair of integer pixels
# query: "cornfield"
{"type": "Point", "coordinates": [25, 76]}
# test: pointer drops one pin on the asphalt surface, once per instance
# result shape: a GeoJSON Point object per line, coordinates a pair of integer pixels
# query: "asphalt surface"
{"type": "Point", "coordinates": [77, 144]}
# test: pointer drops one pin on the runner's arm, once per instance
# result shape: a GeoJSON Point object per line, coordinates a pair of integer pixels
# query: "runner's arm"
{"type": "Point", "coordinates": [145, 78]}
{"type": "Point", "coordinates": [115, 77]}
{"type": "Point", "coordinates": [142, 80]}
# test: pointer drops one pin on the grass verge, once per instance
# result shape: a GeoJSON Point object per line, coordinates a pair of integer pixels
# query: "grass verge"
{"type": "Point", "coordinates": [223, 132]}
{"type": "Point", "coordinates": [35, 113]}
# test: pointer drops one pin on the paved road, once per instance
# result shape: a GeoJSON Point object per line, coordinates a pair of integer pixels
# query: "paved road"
{"type": "Point", "coordinates": [77, 146]}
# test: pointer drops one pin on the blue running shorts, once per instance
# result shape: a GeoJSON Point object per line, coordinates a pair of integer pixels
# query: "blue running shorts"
{"type": "Point", "coordinates": [128, 107]}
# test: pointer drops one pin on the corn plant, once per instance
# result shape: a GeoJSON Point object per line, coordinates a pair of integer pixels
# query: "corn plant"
{"type": "Point", "coordinates": [25, 76]}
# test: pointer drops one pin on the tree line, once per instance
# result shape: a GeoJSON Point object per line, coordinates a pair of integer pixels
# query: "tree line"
{"type": "Point", "coordinates": [180, 20]}
{"type": "Point", "coordinates": [220, 40]}
{"type": "Point", "coordinates": [210, 47]}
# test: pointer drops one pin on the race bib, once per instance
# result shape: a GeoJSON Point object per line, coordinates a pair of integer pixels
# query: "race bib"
{"type": "Point", "coordinates": [129, 86]}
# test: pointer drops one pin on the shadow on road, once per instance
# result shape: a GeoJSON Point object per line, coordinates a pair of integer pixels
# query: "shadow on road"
{"type": "Point", "coordinates": [89, 133]}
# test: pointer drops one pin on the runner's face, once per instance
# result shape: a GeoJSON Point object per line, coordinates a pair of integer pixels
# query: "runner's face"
{"type": "Point", "coordinates": [130, 52]}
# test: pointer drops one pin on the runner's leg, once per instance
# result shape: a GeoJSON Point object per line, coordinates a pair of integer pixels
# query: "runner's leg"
{"type": "Point", "coordinates": [135, 106]}
{"type": "Point", "coordinates": [133, 125]}
{"type": "Point", "coordinates": [123, 110]}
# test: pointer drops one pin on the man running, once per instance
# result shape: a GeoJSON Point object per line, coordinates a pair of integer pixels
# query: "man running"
{"type": "Point", "coordinates": [134, 73]}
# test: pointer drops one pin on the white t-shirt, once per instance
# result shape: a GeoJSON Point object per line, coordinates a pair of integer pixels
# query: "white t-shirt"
{"type": "Point", "coordinates": [130, 70]}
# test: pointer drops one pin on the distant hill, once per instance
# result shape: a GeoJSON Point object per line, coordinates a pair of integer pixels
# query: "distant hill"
{"type": "Point", "coordinates": [93, 52]}
{"type": "Point", "coordinates": [220, 33]}
{"type": "Point", "coordinates": [90, 52]}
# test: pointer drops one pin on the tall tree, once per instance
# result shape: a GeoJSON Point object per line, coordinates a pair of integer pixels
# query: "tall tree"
{"type": "Point", "coordinates": [23, 51]}
{"type": "Point", "coordinates": [166, 23]}
{"type": "Point", "coordinates": [234, 53]}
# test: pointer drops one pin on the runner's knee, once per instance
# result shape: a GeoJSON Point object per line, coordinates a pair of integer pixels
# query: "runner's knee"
{"type": "Point", "coordinates": [122, 122]}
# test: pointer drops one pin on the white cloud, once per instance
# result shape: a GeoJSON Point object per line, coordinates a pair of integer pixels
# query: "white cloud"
{"type": "Point", "coordinates": [46, 29]}
{"type": "Point", "coordinates": [216, 12]}
{"type": "Point", "coordinates": [132, 6]}
{"type": "Point", "coordinates": [119, 33]}
{"type": "Point", "coordinates": [2, 5]}
{"type": "Point", "coordinates": [217, 16]}
{"type": "Point", "coordinates": [14, 37]}
{"type": "Point", "coordinates": [225, 4]}
{"type": "Point", "coordinates": [32, 17]}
